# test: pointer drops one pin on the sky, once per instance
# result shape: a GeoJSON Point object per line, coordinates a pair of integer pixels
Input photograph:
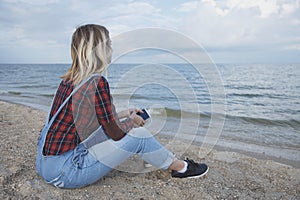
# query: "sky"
{"type": "Point", "coordinates": [230, 31]}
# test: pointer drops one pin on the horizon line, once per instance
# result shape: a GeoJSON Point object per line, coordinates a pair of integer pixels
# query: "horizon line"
{"type": "Point", "coordinates": [218, 63]}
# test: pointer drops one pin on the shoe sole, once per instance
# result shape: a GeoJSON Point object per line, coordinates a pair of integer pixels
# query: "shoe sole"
{"type": "Point", "coordinates": [147, 165]}
{"type": "Point", "coordinates": [201, 175]}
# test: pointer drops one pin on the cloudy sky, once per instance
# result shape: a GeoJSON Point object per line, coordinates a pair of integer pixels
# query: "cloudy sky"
{"type": "Point", "coordinates": [231, 31]}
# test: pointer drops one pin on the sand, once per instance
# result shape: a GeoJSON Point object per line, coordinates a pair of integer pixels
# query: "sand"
{"type": "Point", "coordinates": [232, 175]}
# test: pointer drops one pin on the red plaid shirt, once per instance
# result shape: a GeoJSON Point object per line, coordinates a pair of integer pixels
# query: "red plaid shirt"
{"type": "Point", "coordinates": [90, 107]}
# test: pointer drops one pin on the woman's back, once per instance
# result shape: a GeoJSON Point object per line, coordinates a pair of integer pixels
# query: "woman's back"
{"type": "Point", "coordinates": [81, 115]}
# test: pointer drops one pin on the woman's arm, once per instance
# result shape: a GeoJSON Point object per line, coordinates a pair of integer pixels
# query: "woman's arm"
{"type": "Point", "coordinates": [123, 114]}
{"type": "Point", "coordinates": [108, 117]}
{"type": "Point", "coordinates": [126, 113]}
{"type": "Point", "coordinates": [130, 116]}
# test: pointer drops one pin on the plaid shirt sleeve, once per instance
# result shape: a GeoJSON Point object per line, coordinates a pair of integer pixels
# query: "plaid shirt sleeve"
{"type": "Point", "coordinates": [105, 108]}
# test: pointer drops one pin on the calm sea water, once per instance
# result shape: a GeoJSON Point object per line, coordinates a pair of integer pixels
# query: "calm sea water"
{"type": "Point", "coordinates": [262, 100]}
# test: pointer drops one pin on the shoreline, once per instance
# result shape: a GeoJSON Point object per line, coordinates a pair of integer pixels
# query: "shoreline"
{"type": "Point", "coordinates": [218, 147]}
{"type": "Point", "coordinates": [232, 175]}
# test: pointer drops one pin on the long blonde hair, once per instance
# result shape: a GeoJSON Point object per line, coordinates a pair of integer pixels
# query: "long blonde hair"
{"type": "Point", "coordinates": [91, 52]}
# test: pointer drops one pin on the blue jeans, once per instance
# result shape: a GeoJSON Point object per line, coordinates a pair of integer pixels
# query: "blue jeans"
{"type": "Point", "coordinates": [86, 164]}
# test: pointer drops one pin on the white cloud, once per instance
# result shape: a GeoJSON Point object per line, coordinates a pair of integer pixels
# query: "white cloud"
{"type": "Point", "coordinates": [290, 8]}
{"type": "Point", "coordinates": [117, 28]}
{"type": "Point", "coordinates": [132, 11]}
{"type": "Point", "coordinates": [293, 47]}
{"type": "Point", "coordinates": [266, 7]}
{"type": "Point", "coordinates": [232, 23]}
{"type": "Point", "coordinates": [33, 2]}
{"type": "Point", "coordinates": [227, 25]}
{"type": "Point", "coordinates": [142, 7]}
{"type": "Point", "coordinates": [187, 6]}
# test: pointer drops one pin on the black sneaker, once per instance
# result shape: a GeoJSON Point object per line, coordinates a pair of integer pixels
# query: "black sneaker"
{"type": "Point", "coordinates": [194, 170]}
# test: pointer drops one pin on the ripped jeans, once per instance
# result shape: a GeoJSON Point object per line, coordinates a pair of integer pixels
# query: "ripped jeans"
{"type": "Point", "coordinates": [86, 164]}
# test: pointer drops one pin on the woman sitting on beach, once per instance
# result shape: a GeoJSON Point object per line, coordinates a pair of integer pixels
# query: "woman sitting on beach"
{"type": "Point", "coordinates": [83, 137]}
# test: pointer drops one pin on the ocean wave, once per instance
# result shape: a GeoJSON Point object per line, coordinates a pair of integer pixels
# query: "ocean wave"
{"type": "Point", "coordinates": [176, 113]}
{"type": "Point", "coordinates": [262, 95]}
{"type": "Point", "coordinates": [291, 122]}
{"type": "Point", "coordinates": [248, 87]}
{"type": "Point", "coordinates": [27, 94]}
{"type": "Point", "coordinates": [33, 86]}
{"type": "Point", "coordinates": [14, 93]}
{"type": "Point", "coordinates": [47, 95]}
{"type": "Point", "coordinates": [245, 95]}
{"type": "Point", "coordinates": [144, 97]}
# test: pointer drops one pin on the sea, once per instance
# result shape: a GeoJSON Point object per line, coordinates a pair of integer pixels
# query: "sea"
{"type": "Point", "coordinates": [255, 110]}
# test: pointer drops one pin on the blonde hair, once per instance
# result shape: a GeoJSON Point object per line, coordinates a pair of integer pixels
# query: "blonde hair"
{"type": "Point", "coordinates": [91, 52]}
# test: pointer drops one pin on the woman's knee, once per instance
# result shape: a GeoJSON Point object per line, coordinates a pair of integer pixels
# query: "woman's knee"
{"type": "Point", "coordinates": [141, 132]}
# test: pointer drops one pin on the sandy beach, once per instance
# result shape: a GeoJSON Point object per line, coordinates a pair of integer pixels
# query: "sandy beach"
{"type": "Point", "coordinates": [231, 176]}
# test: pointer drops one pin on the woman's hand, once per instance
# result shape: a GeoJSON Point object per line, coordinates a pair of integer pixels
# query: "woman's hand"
{"type": "Point", "coordinates": [138, 120]}
{"type": "Point", "coordinates": [127, 113]}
